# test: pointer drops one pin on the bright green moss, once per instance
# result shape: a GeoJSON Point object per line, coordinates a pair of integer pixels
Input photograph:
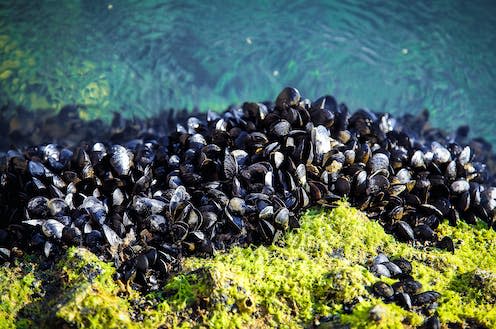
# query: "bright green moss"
{"type": "Point", "coordinates": [317, 269]}
{"type": "Point", "coordinates": [16, 288]}
{"type": "Point", "coordinates": [311, 273]}
{"type": "Point", "coordinates": [90, 299]}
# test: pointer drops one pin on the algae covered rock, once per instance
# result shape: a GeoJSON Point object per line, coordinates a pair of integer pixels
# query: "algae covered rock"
{"type": "Point", "coordinates": [79, 291]}
{"type": "Point", "coordinates": [316, 277]}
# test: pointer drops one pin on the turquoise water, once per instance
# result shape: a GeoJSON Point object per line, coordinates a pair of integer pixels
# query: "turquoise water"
{"type": "Point", "coordinates": [143, 56]}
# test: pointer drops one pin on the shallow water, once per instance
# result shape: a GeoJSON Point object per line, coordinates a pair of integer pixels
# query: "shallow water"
{"type": "Point", "coordinates": [142, 56]}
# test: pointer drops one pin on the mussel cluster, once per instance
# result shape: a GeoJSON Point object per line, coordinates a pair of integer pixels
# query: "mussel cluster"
{"type": "Point", "coordinates": [237, 178]}
{"type": "Point", "coordinates": [406, 291]}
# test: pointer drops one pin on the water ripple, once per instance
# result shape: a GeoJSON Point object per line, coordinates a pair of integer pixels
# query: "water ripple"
{"type": "Point", "coordinates": [141, 56]}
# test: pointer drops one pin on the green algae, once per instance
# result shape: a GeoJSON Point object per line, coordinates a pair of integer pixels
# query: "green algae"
{"type": "Point", "coordinates": [90, 299]}
{"type": "Point", "coordinates": [313, 272]}
{"type": "Point", "coordinates": [16, 291]}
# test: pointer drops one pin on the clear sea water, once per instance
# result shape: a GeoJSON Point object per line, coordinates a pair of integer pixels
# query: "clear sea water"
{"type": "Point", "coordinates": [139, 57]}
